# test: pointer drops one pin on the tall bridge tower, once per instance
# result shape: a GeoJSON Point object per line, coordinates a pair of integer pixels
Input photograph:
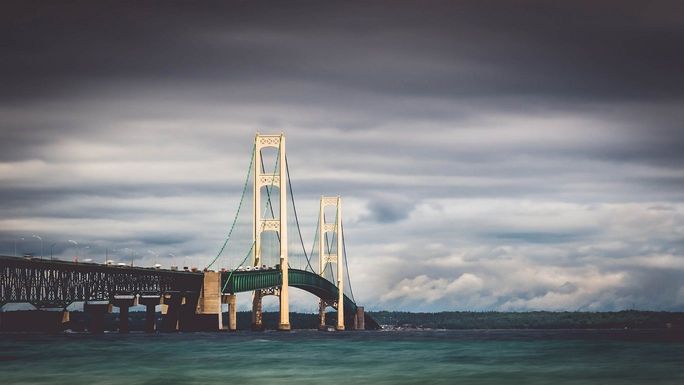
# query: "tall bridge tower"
{"type": "Point", "coordinates": [277, 179]}
{"type": "Point", "coordinates": [327, 257]}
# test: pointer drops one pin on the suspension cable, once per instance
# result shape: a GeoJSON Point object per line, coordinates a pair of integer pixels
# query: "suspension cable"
{"type": "Point", "coordinates": [313, 245]}
{"type": "Point", "coordinates": [223, 290]}
{"type": "Point", "coordinates": [263, 224]}
{"type": "Point", "coordinates": [242, 197]}
{"type": "Point", "coordinates": [346, 266]}
{"type": "Point", "coordinates": [294, 208]}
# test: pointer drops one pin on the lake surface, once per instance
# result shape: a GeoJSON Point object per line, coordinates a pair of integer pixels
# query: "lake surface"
{"type": "Point", "coordinates": [382, 357]}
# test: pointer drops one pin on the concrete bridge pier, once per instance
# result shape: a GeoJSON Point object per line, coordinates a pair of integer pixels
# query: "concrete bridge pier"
{"type": "Point", "coordinates": [321, 316]}
{"type": "Point", "coordinates": [65, 316]}
{"type": "Point", "coordinates": [188, 320]}
{"type": "Point", "coordinates": [171, 311]}
{"type": "Point", "coordinates": [210, 301]}
{"type": "Point", "coordinates": [123, 302]}
{"type": "Point", "coordinates": [257, 316]}
{"type": "Point", "coordinates": [359, 320]}
{"type": "Point", "coordinates": [96, 310]}
{"type": "Point", "coordinates": [150, 302]}
{"type": "Point", "coordinates": [232, 312]}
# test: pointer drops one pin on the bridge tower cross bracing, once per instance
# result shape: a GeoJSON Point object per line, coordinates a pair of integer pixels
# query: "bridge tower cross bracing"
{"type": "Point", "coordinates": [279, 225]}
{"type": "Point", "coordinates": [329, 258]}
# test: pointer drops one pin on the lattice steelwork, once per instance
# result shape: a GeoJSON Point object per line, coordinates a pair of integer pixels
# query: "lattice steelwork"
{"type": "Point", "coordinates": [45, 283]}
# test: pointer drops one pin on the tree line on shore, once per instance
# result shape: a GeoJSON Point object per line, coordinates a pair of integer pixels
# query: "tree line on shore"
{"type": "Point", "coordinates": [631, 319]}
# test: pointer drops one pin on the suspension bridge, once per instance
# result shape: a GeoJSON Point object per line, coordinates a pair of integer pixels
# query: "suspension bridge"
{"type": "Point", "coordinates": [263, 254]}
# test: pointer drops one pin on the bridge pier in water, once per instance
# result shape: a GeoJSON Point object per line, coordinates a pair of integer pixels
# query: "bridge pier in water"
{"type": "Point", "coordinates": [171, 311]}
{"type": "Point", "coordinates": [150, 302]}
{"type": "Point", "coordinates": [359, 319]}
{"type": "Point", "coordinates": [123, 302]}
{"type": "Point", "coordinates": [257, 313]}
{"type": "Point", "coordinates": [232, 312]}
{"type": "Point", "coordinates": [188, 319]}
{"type": "Point", "coordinates": [321, 315]}
{"type": "Point", "coordinates": [96, 311]}
{"type": "Point", "coordinates": [49, 320]}
{"type": "Point", "coordinates": [210, 302]}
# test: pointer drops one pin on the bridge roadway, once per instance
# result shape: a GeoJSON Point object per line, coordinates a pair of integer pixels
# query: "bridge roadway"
{"type": "Point", "coordinates": [56, 283]}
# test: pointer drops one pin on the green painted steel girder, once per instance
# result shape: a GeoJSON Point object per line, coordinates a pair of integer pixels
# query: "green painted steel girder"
{"type": "Point", "coordinates": [241, 281]}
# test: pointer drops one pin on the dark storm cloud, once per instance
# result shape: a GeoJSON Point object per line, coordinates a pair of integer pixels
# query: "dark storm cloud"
{"type": "Point", "coordinates": [476, 49]}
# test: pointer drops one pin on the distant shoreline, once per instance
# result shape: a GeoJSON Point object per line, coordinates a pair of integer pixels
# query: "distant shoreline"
{"type": "Point", "coordinates": [626, 319]}
{"type": "Point", "coordinates": [535, 320]}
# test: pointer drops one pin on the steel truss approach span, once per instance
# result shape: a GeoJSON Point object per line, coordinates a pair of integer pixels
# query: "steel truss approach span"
{"type": "Point", "coordinates": [54, 283]}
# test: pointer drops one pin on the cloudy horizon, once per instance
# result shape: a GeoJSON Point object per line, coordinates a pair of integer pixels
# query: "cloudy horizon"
{"type": "Point", "coordinates": [491, 155]}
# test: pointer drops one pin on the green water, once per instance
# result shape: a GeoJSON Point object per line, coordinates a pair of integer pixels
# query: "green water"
{"type": "Point", "coordinates": [310, 357]}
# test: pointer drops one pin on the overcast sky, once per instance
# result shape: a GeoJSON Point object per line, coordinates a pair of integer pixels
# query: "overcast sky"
{"type": "Point", "coordinates": [491, 155]}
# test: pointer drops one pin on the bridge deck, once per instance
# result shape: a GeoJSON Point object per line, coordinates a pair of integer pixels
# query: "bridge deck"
{"type": "Point", "coordinates": [57, 283]}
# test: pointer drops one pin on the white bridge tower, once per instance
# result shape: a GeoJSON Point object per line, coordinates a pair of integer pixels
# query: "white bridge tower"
{"type": "Point", "coordinates": [279, 225]}
{"type": "Point", "coordinates": [327, 257]}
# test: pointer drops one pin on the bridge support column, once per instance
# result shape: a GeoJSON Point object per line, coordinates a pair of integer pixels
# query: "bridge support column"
{"type": "Point", "coordinates": [170, 318]}
{"type": "Point", "coordinates": [359, 320]}
{"type": "Point", "coordinates": [340, 307]}
{"type": "Point", "coordinates": [65, 316]}
{"type": "Point", "coordinates": [321, 315]}
{"type": "Point", "coordinates": [188, 320]}
{"type": "Point", "coordinates": [232, 312]}
{"type": "Point", "coordinates": [257, 317]}
{"type": "Point", "coordinates": [150, 303]}
{"type": "Point", "coordinates": [284, 324]}
{"type": "Point", "coordinates": [96, 310]}
{"type": "Point", "coordinates": [210, 298]}
{"type": "Point", "coordinates": [123, 303]}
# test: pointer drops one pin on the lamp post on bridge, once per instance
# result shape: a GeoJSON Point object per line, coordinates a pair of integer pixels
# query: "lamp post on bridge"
{"type": "Point", "coordinates": [125, 251]}
{"type": "Point", "coordinates": [41, 244]}
{"type": "Point", "coordinates": [52, 246]}
{"type": "Point", "coordinates": [15, 245]}
{"type": "Point", "coordinates": [77, 247]}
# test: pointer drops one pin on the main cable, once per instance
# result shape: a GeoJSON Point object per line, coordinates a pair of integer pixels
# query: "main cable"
{"type": "Point", "coordinates": [294, 208]}
{"type": "Point", "coordinates": [346, 266]}
{"type": "Point", "coordinates": [237, 213]}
